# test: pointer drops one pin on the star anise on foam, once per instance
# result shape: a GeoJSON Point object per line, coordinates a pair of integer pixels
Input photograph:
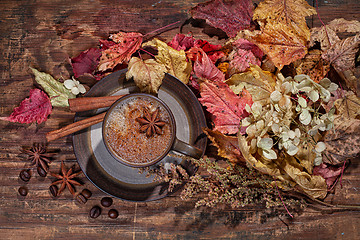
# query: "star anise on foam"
{"type": "Point", "coordinates": [150, 123]}
{"type": "Point", "coordinates": [66, 178]}
{"type": "Point", "coordinates": [38, 156]}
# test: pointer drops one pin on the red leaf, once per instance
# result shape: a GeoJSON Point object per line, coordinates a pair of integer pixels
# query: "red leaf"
{"type": "Point", "coordinates": [213, 51]}
{"type": "Point", "coordinates": [246, 45]}
{"type": "Point", "coordinates": [204, 67]}
{"type": "Point", "coordinates": [105, 44]}
{"type": "Point", "coordinates": [86, 62]}
{"type": "Point", "coordinates": [35, 108]}
{"type": "Point", "coordinates": [181, 42]}
{"type": "Point", "coordinates": [328, 172]}
{"type": "Point", "coordinates": [126, 45]}
{"type": "Point", "coordinates": [227, 107]}
{"type": "Point", "coordinates": [230, 16]}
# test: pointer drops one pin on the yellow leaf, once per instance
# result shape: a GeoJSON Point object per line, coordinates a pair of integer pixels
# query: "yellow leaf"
{"type": "Point", "coordinates": [147, 75]}
{"type": "Point", "coordinates": [259, 83]}
{"type": "Point", "coordinates": [175, 61]}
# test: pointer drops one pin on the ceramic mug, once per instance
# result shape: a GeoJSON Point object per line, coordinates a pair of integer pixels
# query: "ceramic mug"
{"type": "Point", "coordinates": [130, 136]}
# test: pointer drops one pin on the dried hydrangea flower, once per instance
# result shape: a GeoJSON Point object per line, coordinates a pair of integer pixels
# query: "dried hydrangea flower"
{"type": "Point", "coordinates": [74, 86]}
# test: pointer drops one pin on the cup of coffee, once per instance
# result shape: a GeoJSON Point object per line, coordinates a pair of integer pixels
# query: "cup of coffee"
{"type": "Point", "coordinates": [139, 130]}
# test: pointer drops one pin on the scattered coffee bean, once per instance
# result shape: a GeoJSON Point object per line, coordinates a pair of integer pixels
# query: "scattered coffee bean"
{"type": "Point", "coordinates": [25, 175]}
{"type": "Point", "coordinates": [81, 198]}
{"type": "Point", "coordinates": [106, 201]}
{"type": "Point", "coordinates": [95, 212]}
{"type": "Point", "coordinates": [86, 193]}
{"type": "Point", "coordinates": [41, 171]}
{"type": "Point", "coordinates": [53, 190]}
{"type": "Point", "coordinates": [23, 191]}
{"type": "Point", "coordinates": [113, 213]}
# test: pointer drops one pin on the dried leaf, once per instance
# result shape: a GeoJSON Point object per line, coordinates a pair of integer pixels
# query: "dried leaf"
{"type": "Point", "coordinates": [204, 68]}
{"type": "Point", "coordinates": [328, 172]}
{"type": "Point", "coordinates": [57, 92]}
{"type": "Point", "coordinates": [231, 16]}
{"type": "Point", "coordinates": [175, 61]}
{"type": "Point", "coordinates": [225, 105]}
{"type": "Point", "coordinates": [343, 142]}
{"type": "Point", "coordinates": [314, 66]}
{"type": "Point", "coordinates": [227, 146]}
{"type": "Point", "coordinates": [35, 108]}
{"type": "Point", "coordinates": [126, 45]}
{"type": "Point", "coordinates": [349, 105]}
{"type": "Point", "coordinates": [280, 42]}
{"type": "Point", "coordinates": [240, 60]}
{"type": "Point", "coordinates": [214, 52]}
{"type": "Point", "coordinates": [86, 62]}
{"type": "Point", "coordinates": [291, 13]}
{"type": "Point", "coordinates": [342, 54]}
{"type": "Point", "coordinates": [147, 75]}
{"type": "Point", "coordinates": [259, 83]}
{"type": "Point", "coordinates": [181, 42]}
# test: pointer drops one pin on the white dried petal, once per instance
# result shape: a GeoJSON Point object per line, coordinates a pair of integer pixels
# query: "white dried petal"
{"type": "Point", "coordinates": [292, 150]}
{"type": "Point", "coordinates": [297, 132]}
{"type": "Point", "coordinates": [260, 125]}
{"type": "Point", "coordinates": [325, 82]}
{"type": "Point", "coordinates": [265, 143]}
{"type": "Point", "coordinates": [246, 122]}
{"type": "Point", "coordinates": [305, 117]}
{"type": "Point", "coordinates": [320, 146]}
{"type": "Point", "coordinates": [302, 102]}
{"type": "Point", "coordinates": [75, 91]}
{"type": "Point", "coordinates": [256, 107]}
{"type": "Point", "coordinates": [313, 95]}
{"type": "Point", "coordinates": [251, 130]}
{"type": "Point", "coordinates": [248, 108]}
{"type": "Point", "coordinates": [69, 84]}
{"type": "Point", "coordinates": [275, 96]}
{"type": "Point", "coordinates": [333, 87]}
{"type": "Point", "coordinates": [318, 159]}
{"type": "Point", "coordinates": [300, 77]}
{"type": "Point", "coordinates": [296, 141]}
{"type": "Point", "coordinates": [253, 147]}
{"type": "Point", "coordinates": [275, 128]}
{"type": "Point", "coordinates": [291, 134]}
{"type": "Point", "coordinates": [269, 154]}
{"type": "Point", "coordinates": [82, 88]}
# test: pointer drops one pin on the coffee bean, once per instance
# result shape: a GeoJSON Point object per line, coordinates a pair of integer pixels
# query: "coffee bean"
{"type": "Point", "coordinates": [106, 201]}
{"type": "Point", "coordinates": [113, 213]}
{"type": "Point", "coordinates": [53, 190]}
{"type": "Point", "coordinates": [25, 175]}
{"type": "Point", "coordinates": [95, 212]}
{"type": "Point", "coordinates": [86, 193]}
{"type": "Point", "coordinates": [41, 172]}
{"type": "Point", "coordinates": [23, 191]}
{"type": "Point", "coordinates": [81, 199]}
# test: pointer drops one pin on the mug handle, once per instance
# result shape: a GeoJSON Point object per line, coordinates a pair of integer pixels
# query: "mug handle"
{"type": "Point", "coordinates": [185, 148]}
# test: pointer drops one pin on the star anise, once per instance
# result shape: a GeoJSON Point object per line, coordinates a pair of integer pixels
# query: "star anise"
{"type": "Point", "coordinates": [66, 178]}
{"type": "Point", "coordinates": [38, 156]}
{"type": "Point", "coordinates": [150, 123]}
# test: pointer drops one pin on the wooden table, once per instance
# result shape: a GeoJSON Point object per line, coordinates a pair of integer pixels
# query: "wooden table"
{"type": "Point", "coordinates": [44, 34]}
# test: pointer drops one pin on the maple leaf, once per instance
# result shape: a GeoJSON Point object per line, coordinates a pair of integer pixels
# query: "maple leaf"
{"type": "Point", "coordinates": [259, 83]}
{"type": "Point", "coordinates": [348, 105]}
{"type": "Point", "coordinates": [181, 42]}
{"type": "Point", "coordinates": [58, 93]}
{"type": "Point", "coordinates": [344, 142]}
{"type": "Point", "coordinates": [227, 107]}
{"type": "Point", "coordinates": [35, 108]}
{"type": "Point", "coordinates": [240, 60]}
{"type": "Point", "coordinates": [342, 54]}
{"type": "Point", "coordinates": [328, 172]}
{"type": "Point", "coordinates": [86, 62]}
{"type": "Point", "coordinates": [204, 67]}
{"type": "Point", "coordinates": [231, 16]}
{"type": "Point", "coordinates": [280, 42]}
{"type": "Point", "coordinates": [314, 66]}
{"type": "Point", "coordinates": [213, 51]}
{"type": "Point", "coordinates": [227, 146]}
{"type": "Point", "coordinates": [174, 61]}
{"type": "Point", "coordinates": [126, 45]}
{"type": "Point", "coordinates": [287, 12]}
{"type": "Point", "coordinates": [147, 75]}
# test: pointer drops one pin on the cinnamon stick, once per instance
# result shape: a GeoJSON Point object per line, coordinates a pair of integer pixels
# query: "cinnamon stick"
{"type": "Point", "coordinates": [91, 103]}
{"type": "Point", "coordinates": [74, 127]}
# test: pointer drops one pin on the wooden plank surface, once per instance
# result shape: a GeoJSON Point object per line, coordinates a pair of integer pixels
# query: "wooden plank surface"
{"type": "Point", "coordinates": [44, 34]}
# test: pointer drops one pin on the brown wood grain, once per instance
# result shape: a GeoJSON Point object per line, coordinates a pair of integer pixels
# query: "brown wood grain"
{"type": "Point", "coordinates": [44, 34]}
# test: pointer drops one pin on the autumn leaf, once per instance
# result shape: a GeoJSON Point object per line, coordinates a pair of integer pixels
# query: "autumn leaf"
{"type": "Point", "coordinates": [86, 62]}
{"type": "Point", "coordinates": [280, 43]}
{"type": "Point", "coordinates": [35, 108]}
{"type": "Point", "coordinates": [58, 93]}
{"type": "Point", "coordinates": [174, 61]}
{"type": "Point", "coordinates": [126, 45]}
{"type": "Point", "coordinates": [231, 16]}
{"type": "Point", "coordinates": [214, 52]}
{"type": "Point", "coordinates": [259, 83]}
{"type": "Point", "coordinates": [343, 142]}
{"type": "Point", "coordinates": [349, 105]}
{"type": "Point", "coordinates": [181, 42]}
{"type": "Point", "coordinates": [313, 65]}
{"type": "Point", "coordinates": [203, 66]}
{"type": "Point", "coordinates": [147, 75]}
{"type": "Point", "coordinates": [342, 54]}
{"type": "Point", "coordinates": [227, 107]}
{"type": "Point", "coordinates": [227, 146]}
{"type": "Point", "coordinates": [289, 12]}
{"type": "Point", "coordinates": [328, 172]}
